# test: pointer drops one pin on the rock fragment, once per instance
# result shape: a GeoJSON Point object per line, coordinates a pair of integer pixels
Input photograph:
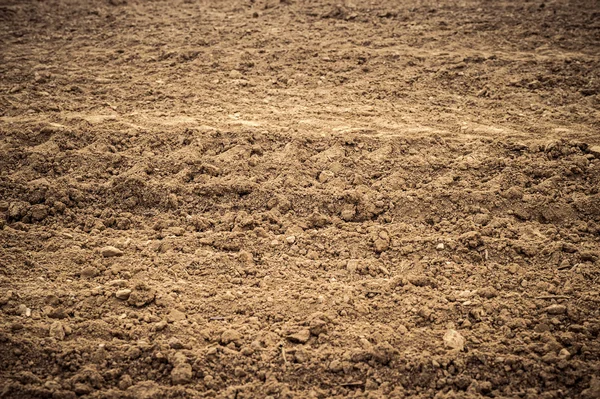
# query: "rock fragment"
{"type": "Point", "coordinates": [335, 366]}
{"type": "Point", "coordinates": [301, 337]}
{"type": "Point", "coordinates": [318, 220]}
{"type": "Point", "coordinates": [182, 370]}
{"type": "Point", "coordinates": [487, 292]}
{"type": "Point", "coordinates": [141, 297]}
{"type": "Point", "coordinates": [175, 315]}
{"type": "Point", "coordinates": [56, 313]}
{"type": "Point", "coordinates": [110, 251]}
{"type": "Point", "coordinates": [229, 336]}
{"type": "Point", "coordinates": [564, 354]}
{"type": "Point", "coordinates": [27, 377]}
{"type": "Point", "coordinates": [317, 326]}
{"type": "Point", "coordinates": [235, 74]}
{"type": "Point", "coordinates": [556, 309]}
{"type": "Point", "coordinates": [57, 331]}
{"type": "Point", "coordinates": [326, 176]}
{"type": "Point", "coordinates": [146, 390]}
{"type": "Point", "coordinates": [39, 212]}
{"type": "Point", "coordinates": [348, 212]}
{"type": "Point", "coordinates": [125, 382]}
{"type": "Point", "coordinates": [352, 265]}
{"type": "Point", "coordinates": [6, 297]}
{"type": "Point", "coordinates": [23, 310]}
{"type": "Point", "coordinates": [123, 294]}
{"type": "Point", "coordinates": [181, 374]}
{"type": "Point", "coordinates": [589, 256]}
{"type": "Point", "coordinates": [594, 389]}
{"type": "Point", "coordinates": [82, 389]}
{"type": "Point", "coordinates": [16, 210]}
{"type": "Point", "coordinates": [159, 326]}
{"type": "Point", "coordinates": [471, 239]}
{"type": "Point", "coordinates": [421, 280]}
{"type": "Point", "coordinates": [175, 343]}
{"type": "Point", "coordinates": [381, 245]}
{"type": "Point", "coordinates": [89, 272]}
{"type": "Point", "coordinates": [454, 340]}
{"type": "Point", "coordinates": [595, 151]}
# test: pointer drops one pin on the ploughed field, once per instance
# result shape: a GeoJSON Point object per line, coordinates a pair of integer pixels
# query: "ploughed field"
{"type": "Point", "coordinates": [299, 199]}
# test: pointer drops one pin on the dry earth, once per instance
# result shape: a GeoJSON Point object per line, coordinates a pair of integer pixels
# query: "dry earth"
{"type": "Point", "coordinates": [299, 199]}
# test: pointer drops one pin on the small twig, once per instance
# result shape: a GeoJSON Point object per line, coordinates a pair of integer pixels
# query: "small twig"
{"type": "Point", "coordinates": [553, 297]}
{"type": "Point", "coordinates": [353, 384]}
{"type": "Point", "coordinates": [283, 355]}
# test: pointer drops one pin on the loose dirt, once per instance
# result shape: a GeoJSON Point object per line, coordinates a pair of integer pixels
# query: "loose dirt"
{"type": "Point", "coordinates": [299, 199]}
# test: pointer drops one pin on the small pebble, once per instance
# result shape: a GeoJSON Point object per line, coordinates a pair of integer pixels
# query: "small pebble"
{"type": "Point", "coordinates": [235, 74]}
{"type": "Point", "coordinates": [125, 382]}
{"type": "Point", "coordinates": [381, 245]}
{"type": "Point", "coordinates": [300, 337]}
{"type": "Point", "coordinates": [595, 151]}
{"type": "Point", "coordinates": [523, 283]}
{"type": "Point", "coordinates": [348, 213]}
{"type": "Point", "coordinates": [123, 294]}
{"type": "Point", "coordinates": [454, 340]}
{"type": "Point", "coordinates": [24, 310]}
{"type": "Point", "coordinates": [181, 374]}
{"type": "Point", "coordinates": [175, 315]}
{"type": "Point", "coordinates": [487, 292]}
{"type": "Point", "coordinates": [229, 336]}
{"type": "Point", "coordinates": [556, 309]}
{"type": "Point", "coordinates": [161, 325]}
{"type": "Point", "coordinates": [175, 343]}
{"type": "Point", "coordinates": [564, 354]}
{"type": "Point", "coordinates": [352, 265]}
{"type": "Point", "coordinates": [57, 331]}
{"type": "Point", "coordinates": [247, 351]}
{"type": "Point", "coordinates": [228, 296]}
{"type": "Point", "coordinates": [335, 366]}
{"type": "Point", "coordinates": [89, 272]}
{"type": "Point", "coordinates": [326, 176]}
{"type": "Point", "coordinates": [111, 251]}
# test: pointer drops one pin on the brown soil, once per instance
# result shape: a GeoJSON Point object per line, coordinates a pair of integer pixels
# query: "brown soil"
{"type": "Point", "coordinates": [299, 199]}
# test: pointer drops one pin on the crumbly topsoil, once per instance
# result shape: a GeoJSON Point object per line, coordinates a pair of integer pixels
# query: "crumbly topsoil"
{"type": "Point", "coordinates": [299, 199]}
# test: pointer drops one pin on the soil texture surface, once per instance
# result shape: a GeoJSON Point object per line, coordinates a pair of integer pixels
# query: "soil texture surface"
{"type": "Point", "coordinates": [299, 199]}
